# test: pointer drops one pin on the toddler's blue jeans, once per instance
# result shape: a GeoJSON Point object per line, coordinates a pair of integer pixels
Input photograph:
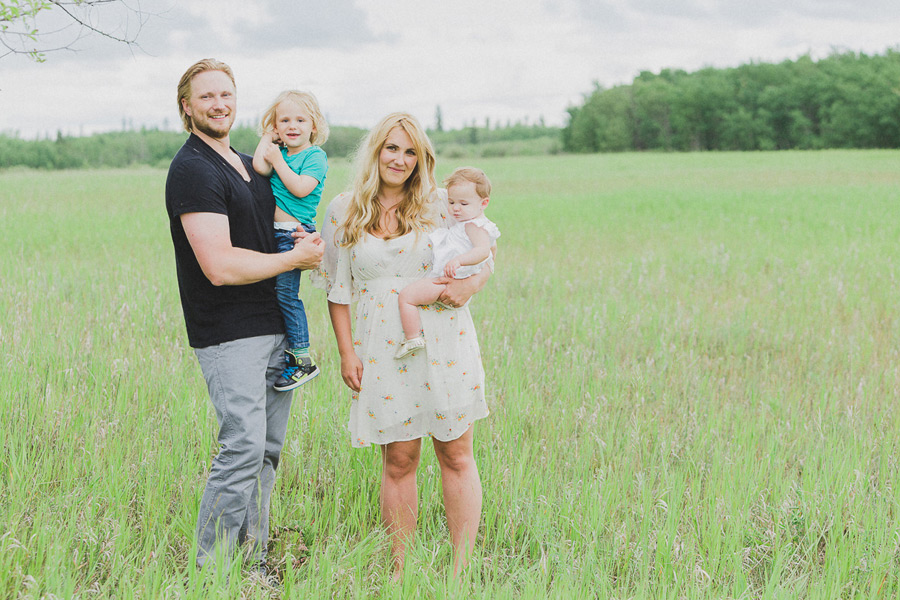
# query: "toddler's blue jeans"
{"type": "Point", "coordinates": [287, 288]}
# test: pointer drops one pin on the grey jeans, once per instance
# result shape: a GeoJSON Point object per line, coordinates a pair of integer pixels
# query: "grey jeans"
{"type": "Point", "coordinates": [253, 421]}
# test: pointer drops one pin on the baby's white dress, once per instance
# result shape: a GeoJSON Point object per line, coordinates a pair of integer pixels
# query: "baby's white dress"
{"type": "Point", "coordinates": [451, 242]}
{"type": "Point", "coordinates": [436, 391]}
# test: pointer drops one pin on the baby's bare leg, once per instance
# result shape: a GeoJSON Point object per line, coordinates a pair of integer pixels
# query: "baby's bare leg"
{"type": "Point", "coordinates": [419, 293]}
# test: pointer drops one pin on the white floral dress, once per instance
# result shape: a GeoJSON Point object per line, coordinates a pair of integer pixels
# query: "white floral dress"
{"type": "Point", "coordinates": [437, 391]}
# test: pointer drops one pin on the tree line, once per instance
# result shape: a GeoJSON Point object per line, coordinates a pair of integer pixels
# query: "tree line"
{"type": "Point", "coordinates": [152, 147]}
{"type": "Point", "coordinates": [847, 100]}
{"type": "Point", "coordinates": [155, 147]}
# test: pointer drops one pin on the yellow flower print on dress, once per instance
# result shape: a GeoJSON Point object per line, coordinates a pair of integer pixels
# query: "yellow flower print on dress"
{"type": "Point", "coordinates": [401, 369]}
{"type": "Point", "coordinates": [407, 422]}
{"type": "Point", "coordinates": [451, 363]}
{"type": "Point", "coordinates": [440, 416]}
{"type": "Point", "coordinates": [371, 414]}
{"type": "Point", "coordinates": [427, 386]}
{"type": "Point", "coordinates": [460, 416]}
{"type": "Point", "coordinates": [373, 360]}
{"type": "Point", "coordinates": [435, 363]}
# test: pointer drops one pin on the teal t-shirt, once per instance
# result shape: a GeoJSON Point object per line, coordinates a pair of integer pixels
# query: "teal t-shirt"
{"type": "Point", "coordinates": [312, 162]}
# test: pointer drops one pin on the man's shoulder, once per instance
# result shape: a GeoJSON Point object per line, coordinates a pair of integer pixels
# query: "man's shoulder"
{"type": "Point", "coordinates": [192, 164]}
{"type": "Point", "coordinates": [190, 152]}
{"type": "Point", "coordinates": [195, 183]}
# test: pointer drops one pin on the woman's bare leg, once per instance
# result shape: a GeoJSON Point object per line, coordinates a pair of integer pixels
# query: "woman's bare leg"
{"type": "Point", "coordinates": [416, 294]}
{"type": "Point", "coordinates": [462, 495]}
{"type": "Point", "coordinates": [399, 496]}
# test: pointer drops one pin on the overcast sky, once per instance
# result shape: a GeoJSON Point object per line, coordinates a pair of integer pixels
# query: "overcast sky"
{"type": "Point", "coordinates": [476, 59]}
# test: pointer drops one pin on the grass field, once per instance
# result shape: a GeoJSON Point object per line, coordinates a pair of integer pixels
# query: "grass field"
{"type": "Point", "coordinates": [693, 366]}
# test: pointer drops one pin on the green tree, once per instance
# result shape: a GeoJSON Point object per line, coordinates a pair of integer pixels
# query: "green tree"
{"type": "Point", "coordinates": [844, 100]}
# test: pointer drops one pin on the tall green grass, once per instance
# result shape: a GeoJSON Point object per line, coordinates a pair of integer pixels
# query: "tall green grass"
{"type": "Point", "coordinates": [692, 366]}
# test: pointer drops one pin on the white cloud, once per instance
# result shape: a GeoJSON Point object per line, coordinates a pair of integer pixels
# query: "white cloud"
{"type": "Point", "coordinates": [505, 59]}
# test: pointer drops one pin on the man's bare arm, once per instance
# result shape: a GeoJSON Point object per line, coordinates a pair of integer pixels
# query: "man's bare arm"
{"type": "Point", "coordinates": [224, 264]}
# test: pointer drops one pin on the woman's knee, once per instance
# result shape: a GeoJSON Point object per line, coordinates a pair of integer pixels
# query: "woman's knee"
{"type": "Point", "coordinates": [400, 460]}
{"type": "Point", "coordinates": [456, 457]}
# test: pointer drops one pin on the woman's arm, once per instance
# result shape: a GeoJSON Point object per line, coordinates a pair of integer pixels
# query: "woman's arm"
{"type": "Point", "coordinates": [351, 366]}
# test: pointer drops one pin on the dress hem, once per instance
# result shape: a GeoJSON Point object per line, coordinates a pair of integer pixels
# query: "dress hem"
{"type": "Point", "coordinates": [424, 435]}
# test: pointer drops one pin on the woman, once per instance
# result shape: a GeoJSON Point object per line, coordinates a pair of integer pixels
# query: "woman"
{"type": "Point", "coordinates": [376, 243]}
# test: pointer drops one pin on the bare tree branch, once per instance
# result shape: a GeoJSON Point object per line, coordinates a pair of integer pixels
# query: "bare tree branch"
{"type": "Point", "coordinates": [20, 33]}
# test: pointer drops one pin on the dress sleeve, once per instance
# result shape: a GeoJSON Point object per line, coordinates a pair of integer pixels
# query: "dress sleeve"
{"type": "Point", "coordinates": [333, 274]}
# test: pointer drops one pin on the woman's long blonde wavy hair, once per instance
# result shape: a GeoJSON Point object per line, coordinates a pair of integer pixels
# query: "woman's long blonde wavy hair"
{"type": "Point", "coordinates": [364, 211]}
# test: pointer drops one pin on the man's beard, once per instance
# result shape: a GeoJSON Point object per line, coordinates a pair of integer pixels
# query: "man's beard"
{"type": "Point", "coordinates": [203, 127]}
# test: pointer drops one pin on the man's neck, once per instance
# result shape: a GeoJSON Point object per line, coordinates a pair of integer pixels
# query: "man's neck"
{"type": "Point", "coordinates": [220, 145]}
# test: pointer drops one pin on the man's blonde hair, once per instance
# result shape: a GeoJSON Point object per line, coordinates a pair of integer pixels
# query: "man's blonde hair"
{"type": "Point", "coordinates": [184, 84]}
{"type": "Point", "coordinates": [307, 102]}
{"type": "Point", "coordinates": [473, 175]}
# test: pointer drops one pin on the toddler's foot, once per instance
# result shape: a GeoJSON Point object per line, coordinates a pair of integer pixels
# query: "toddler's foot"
{"type": "Point", "coordinates": [410, 346]}
{"type": "Point", "coordinates": [299, 371]}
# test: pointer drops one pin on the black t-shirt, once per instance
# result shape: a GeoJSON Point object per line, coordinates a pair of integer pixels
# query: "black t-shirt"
{"type": "Point", "coordinates": [200, 180]}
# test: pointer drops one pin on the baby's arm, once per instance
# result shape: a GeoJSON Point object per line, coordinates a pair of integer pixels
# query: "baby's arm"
{"type": "Point", "coordinates": [458, 291]}
{"type": "Point", "coordinates": [481, 250]}
{"type": "Point", "coordinates": [260, 164]}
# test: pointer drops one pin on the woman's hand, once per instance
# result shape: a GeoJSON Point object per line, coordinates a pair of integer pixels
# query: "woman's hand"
{"type": "Point", "coordinates": [351, 371]}
{"type": "Point", "coordinates": [458, 291]}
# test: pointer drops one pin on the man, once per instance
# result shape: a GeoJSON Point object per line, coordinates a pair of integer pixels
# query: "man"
{"type": "Point", "coordinates": [220, 216]}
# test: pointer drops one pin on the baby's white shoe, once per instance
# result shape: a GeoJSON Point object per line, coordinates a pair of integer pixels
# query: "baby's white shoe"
{"type": "Point", "coordinates": [409, 346]}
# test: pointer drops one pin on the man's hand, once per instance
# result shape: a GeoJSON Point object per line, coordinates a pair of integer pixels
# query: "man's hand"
{"type": "Point", "coordinates": [307, 251]}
